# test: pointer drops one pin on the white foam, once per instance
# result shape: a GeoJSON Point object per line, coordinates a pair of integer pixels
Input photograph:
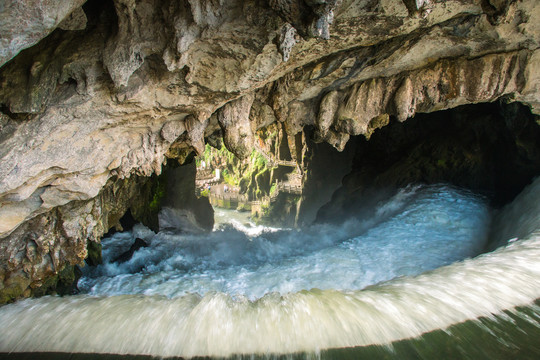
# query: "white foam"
{"type": "Point", "coordinates": [221, 324]}
{"type": "Point", "coordinates": [417, 230]}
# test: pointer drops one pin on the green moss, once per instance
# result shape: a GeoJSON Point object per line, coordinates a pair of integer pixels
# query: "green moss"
{"type": "Point", "coordinates": [10, 293]}
{"type": "Point", "coordinates": [258, 160]}
{"type": "Point", "coordinates": [273, 188]}
{"type": "Point", "coordinates": [243, 207]}
{"type": "Point", "coordinates": [67, 280]}
{"type": "Point", "coordinates": [230, 177]}
{"type": "Point", "coordinates": [262, 179]}
{"type": "Point", "coordinates": [63, 283]}
{"type": "Point", "coordinates": [251, 175]}
{"type": "Point", "coordinates": [93, 253]}
{"type": "Point", "coordinates": [243, 183]}
{"type": "Point", "coordinates": [158, 194]}
{"type": "Point", "coordinates": [205, 193]}
{"type": "Point", "coordinates": [48, 286]}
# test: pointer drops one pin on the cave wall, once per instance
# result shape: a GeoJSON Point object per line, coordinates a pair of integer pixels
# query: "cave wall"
{"type": "Point", "coordinates": [108, 89]}
{"type": "Point", "coordinates": [492, 149]}
{"type": "Point", "coordinates": [179, 194]}
{"type": "Point", "coordinates": [38, 253]}
{"type": "Point", "coordinates": [325, 169]}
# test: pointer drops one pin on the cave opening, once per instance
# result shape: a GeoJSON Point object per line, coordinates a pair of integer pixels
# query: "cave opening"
{"type": "Point", "coordinates": [491, 149]}
{"type": "Point", "coordinates": [433, 205]}
{"type": "Point", "coordinates": [269, 179]}
{"type": "Point", "coordinates": [484, 154]}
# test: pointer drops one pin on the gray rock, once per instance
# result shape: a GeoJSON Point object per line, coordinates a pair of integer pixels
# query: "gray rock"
{"type": "Point", "coordinates": [150, 79]}
{"type": "Point", "coordinates": [24, 23]}
{"type": "Point", "coordinates": [74, 21]}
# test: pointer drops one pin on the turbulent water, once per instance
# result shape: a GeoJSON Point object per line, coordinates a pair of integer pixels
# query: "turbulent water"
{"type": "Point", "coordinates": [419, 230]}
{"type": "Point", "coordinates": [245, 289]}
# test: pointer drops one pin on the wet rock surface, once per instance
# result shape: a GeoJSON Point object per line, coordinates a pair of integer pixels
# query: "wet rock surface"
{"type": "Point", "coordinates": [103, 92]}
{"type": "Point", "coordinates": [139, 243]}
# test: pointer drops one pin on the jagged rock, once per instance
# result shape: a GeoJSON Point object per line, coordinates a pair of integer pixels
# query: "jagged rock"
{"type": "Point", "coordinates": [150, 79]}
{"type": "Point", "coordinates": [94, 255]}
{"type": "Point", "coordinates": [492, 149]}
{"type": "Point", "coordinates": [309, 17]}
{"type": "Point", "coordinates": [234, 121]}
{"type": "Point", "coordinates": [75, 21]}
{"type": "Point", "coordinates": [171, 130]}
{"type": "Point", "coordinates": [186, 210]}
{"type": "Point", "coordinates": [126, 256]}
{"type": "Point", "coordinates": [327, 113]}
{"type": "Point", "coordinates": [287, 40]}
{"type": "Point", "coordinates": [136, 38]}
{"type": "Point", "coordinates": [42, 247]}
{"type": "Point", "coordinates": [297, 117]}
{"type": "Point", "coordinates": [196, 130]}
{"type": "Point", "coordinates": [24, 23]}
{"type": "Point", "coordinates": [417, 6]}
{"type": "Point", "coordinates": [261, 115]}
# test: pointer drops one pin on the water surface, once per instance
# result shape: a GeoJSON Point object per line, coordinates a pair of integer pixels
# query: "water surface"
{"type": "Point", "coordinates": [408, 283]}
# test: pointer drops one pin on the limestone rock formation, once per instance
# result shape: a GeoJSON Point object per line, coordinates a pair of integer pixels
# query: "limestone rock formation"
{"type": "Point", "coordinates": [24, 23]}
{"type": "Point", "coordinates": [180, 196]}
{"type": "Point", "coordinates": [121, 84]}
{"type": "Point", "coordinates": [234, 121]}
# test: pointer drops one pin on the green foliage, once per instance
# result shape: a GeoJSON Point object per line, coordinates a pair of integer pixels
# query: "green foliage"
{"type": "Point", "coordinates": [258, 161]}
{"type": "Point", "coordinates": [243, 207]}
{"type": "Point", "coordinates": [250, 174]}
{"type": "Point", "coordinates": [12, 291]}
{"type": "Point", "coordinates": [94, 254]}
{"type": "Point", "coordinates": [207, 156]}
{"type": "Point", "coordinates": [273, 188]}
{"type": "Point", "coordinates": [230, 177]}
{"type": "Point", "coordinates": [205, 193]}
{"type": "Point", "coordinates": [213, 155]}
{"type": "Point", "coordinates": [272, 135]}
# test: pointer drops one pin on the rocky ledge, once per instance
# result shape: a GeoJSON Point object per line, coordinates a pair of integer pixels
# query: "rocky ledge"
{"type": "Point", "coordinates": [95, 96]}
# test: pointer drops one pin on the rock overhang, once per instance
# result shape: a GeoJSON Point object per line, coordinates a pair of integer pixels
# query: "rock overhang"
{"type": "Point", "coordinates": [144, 79]}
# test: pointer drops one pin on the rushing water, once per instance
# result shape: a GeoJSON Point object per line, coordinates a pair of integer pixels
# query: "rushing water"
{"type": "Point", "coordinates": [245, 289]}
{"type": "Point", "coordinates": [423, 229]}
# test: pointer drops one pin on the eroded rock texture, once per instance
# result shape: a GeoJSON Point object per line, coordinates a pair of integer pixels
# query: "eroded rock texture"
{"type": "Point", "coordinates": [122, 84]}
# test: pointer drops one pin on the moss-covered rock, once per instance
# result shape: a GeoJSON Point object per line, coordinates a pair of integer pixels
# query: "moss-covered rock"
{"type": "Point", "coordinates": [94, 257]}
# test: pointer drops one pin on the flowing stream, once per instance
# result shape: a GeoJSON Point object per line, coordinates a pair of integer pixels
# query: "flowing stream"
{"type": "Point", "coordinates": [410, 282]}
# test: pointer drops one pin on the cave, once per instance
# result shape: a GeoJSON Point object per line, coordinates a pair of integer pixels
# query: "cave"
{"type": "Point", "coordinates": [269, 179]}
{"type": "Point", "coordinates": [452, 190]}
{"type": "Point", "coordinates": [490, 149]}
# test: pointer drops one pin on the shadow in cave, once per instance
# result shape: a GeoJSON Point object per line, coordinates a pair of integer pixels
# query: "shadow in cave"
{"type": "Point", "coordinates": [492, 149]}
